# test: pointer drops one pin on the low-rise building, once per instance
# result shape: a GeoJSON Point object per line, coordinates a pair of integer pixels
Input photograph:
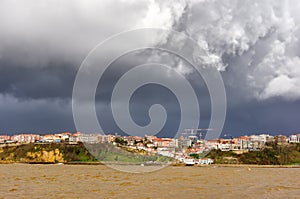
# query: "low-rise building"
{"type": "Point", "coordinates": [280, 139]}
{"type": "Point", "coordinates": [88, 138]}
{"type": "Point", "coordinates": [25, 138]}
{"type": "Point", "coordinates": [205, 161]}
{"type": "Point", "coordinates": [4, 138]}
{"type": "Point", "coordinates": [163, 142]}
{"type": "Point", "coordinates": [294, 138]}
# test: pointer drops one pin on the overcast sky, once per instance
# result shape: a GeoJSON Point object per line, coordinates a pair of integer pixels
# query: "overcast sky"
{"type": "Point", "coordinates": [255, 45]}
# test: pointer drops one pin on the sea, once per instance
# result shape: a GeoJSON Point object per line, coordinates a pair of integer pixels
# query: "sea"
{"type": "Point", "coordinates": [101, 181]}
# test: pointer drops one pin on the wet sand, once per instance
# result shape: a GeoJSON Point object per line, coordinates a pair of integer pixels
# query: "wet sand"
{"type": "Point", "coordinates": [99, 181]}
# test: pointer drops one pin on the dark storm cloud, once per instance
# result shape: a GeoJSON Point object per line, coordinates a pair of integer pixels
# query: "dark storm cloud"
{"type": "Point", "coordinates": [148, 95]}
{"type": "Point", "coordinates": [52, 81]}
{"type": "Point", "coordinates": [272, 116]}
{"type": "Point", "coordinates": [255, 44]}
{"type": "Point", "coordinates": [35, 116]}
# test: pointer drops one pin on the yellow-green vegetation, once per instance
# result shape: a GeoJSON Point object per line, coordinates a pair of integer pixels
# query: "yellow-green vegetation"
{"type": "Point", "coordinates": [272, 154]}
{"type": "Point", "coordinates": [45, 153]}
{"type": "Point", "coordinates": [45, 156]}
{"type": "Point", "coordinates": [66, 153]}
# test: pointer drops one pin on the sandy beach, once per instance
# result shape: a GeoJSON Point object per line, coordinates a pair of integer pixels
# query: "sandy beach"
{"type": "Point", "coordinates": [99, 181]}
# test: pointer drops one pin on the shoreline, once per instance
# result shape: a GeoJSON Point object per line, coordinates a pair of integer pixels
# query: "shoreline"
{"type": "Point", "coordinates": [172, 165]}
{"type": "Point", "coordinates": [255, 166]}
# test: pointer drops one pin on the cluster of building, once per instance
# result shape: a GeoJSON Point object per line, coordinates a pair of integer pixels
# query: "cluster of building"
{"type": "Point", "coordinates": [178, 148]}
{"type": "Point", "coordinates": [57, 137]}
{"type": "Point", "coordinates": [193, 143]}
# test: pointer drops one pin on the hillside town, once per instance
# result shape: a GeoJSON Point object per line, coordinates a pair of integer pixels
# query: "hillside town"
{"type": "Point", "coordinates": [182, 148]}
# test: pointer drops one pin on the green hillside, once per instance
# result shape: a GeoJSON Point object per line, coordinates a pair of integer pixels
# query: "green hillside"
{"type": "Point", "coordinates": [272, 154]}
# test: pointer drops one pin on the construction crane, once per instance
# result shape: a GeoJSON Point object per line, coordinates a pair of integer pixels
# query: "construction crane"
{"type": "Point", "coordinates": [195, 132]}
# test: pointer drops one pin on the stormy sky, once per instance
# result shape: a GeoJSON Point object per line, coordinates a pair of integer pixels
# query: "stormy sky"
{"type": "Point", "coordinates": [253, 44]}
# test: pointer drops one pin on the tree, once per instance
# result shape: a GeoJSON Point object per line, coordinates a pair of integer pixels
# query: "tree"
{"type": "Point", "coordinates": [120, 141]}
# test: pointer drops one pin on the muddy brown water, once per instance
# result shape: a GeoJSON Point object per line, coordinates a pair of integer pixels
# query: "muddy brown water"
{"type": "Point", "coordinates": [99, 181]}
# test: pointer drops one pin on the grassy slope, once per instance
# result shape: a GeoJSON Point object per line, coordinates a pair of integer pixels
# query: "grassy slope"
{"type": "Point", "coordinates": [110, 153]}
